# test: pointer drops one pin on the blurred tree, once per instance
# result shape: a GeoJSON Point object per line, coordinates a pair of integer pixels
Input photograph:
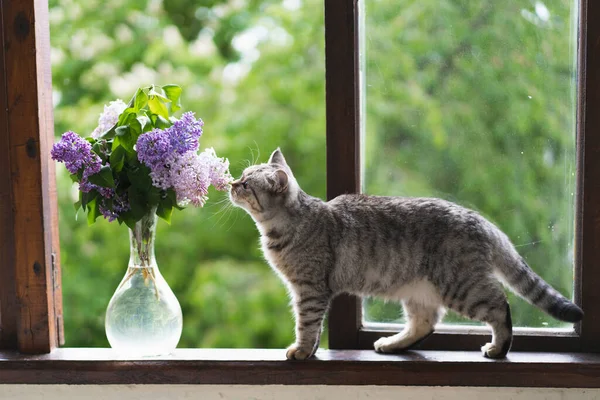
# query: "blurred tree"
{"type": "Point", "coordinates": [474, 102]}
{"type": "Point", "coordinates": [209, 256]}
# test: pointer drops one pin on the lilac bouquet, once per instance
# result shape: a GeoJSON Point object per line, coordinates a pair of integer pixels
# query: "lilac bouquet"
{"type": "Point", "coordinates": [140, 158]}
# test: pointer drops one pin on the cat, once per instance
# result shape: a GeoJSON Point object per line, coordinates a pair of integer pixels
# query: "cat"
{"type": "Point", "coordinates": [428, 253]}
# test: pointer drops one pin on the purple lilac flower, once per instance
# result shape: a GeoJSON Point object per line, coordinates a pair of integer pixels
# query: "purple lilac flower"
{"type": "Point", "coordinates": [185, 133]}
{"type": "Point", "coordinates": [85, 186]}
{"type": "Point", "coordinates": [218, 169]}
{"type": "Point", "coordinates": [171, 155]}
{"type": "Point", "coordinates": [161, 174]}
{"type": "Point", "coordinates": [76, 153]}
{"type": "Point", "coordinates": [154, 148]}
{"type": "Point", "coordinates": [158, 149]}
{"type": "Point", "coordinates": [190, 179]}
{"type": "Point", "coordinates": [109, 117]}
{"type": "Point", "coordinates": [108, 214]}
{"type": "Point", "coordinates": [120, 204]}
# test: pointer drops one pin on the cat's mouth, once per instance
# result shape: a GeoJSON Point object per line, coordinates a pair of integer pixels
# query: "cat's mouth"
{"type": "Point", "coordinates": [235, 197]}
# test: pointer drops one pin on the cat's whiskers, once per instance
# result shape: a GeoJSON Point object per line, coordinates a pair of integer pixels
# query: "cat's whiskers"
{"type": "Point", "coordinates": [223, 212]}
{"type": "Point", "coordinates": [255, 159]}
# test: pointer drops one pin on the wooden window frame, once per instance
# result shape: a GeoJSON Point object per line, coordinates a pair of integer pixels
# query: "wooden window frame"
{"type": "Point", "coordinates": [346, 327]}
{"type": "Point", "coordinates": [30, 292]}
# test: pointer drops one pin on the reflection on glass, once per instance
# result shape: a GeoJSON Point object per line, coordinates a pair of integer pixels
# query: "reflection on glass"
{"type": "Point", "coordinates": [474, 102]}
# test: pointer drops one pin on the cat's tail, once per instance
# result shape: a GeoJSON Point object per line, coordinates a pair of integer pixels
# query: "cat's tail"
{"type": "Point", "coordinates": [530, 286]}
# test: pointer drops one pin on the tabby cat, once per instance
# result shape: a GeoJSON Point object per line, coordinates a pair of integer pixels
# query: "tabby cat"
{"type": "Point", "coordinates": [430, 254]}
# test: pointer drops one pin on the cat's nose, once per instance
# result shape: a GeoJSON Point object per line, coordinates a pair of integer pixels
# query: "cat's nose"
{"type": "Point", "coordinates": [235, 185]}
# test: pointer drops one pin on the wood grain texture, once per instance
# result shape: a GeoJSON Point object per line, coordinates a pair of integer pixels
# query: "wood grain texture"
{"type": "Point", "coordinates": [588, 237]}
{"type": "Point", "coordinates": [8, 296]}
{"type": "Point", "coordinates": [29, 134]}
{"type": "Point", "coordinates": [50, 198]}
{"type": "Point", "coordinates": [269, 367]}
{"type": "Point", "coordinates": [343, 141]}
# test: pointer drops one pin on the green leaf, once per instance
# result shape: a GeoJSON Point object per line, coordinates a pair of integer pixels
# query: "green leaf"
{"type": "Point", "coordinates": [103, 178]}
{"type": "Point", "coordinates": [117, 158]}
{"type": "Point", "coordinates": [145, 123]}
{"type": "Point", "coordinates": [128, 219]}
{"type": "Point", "coordinates": [74, 177]}
{"type": "Point", "coordinates": [109, 134]}
{"type": "Point", "coordinates": [122, 130]}
{"type": "Point", "coordinates": [173, 92]}
{"type": "Point", "coordinates": [139, 177]}
{"type": "Point", "coordinates": [140, 101]}
{"type": "Point", "coordinates": [97, 148]}
{"type": "Point", "coordinates": [135, 127]}
{"type": "Point", "coordinates": [153, 196]}
{"type": "Point", "coordinates": [127, 116]}
{"type": "Point", "coordinates": [162, 123]}
{"type": "Point", "coordinates": [125, 138]}
{"type": "Point", "coordinates": [137, 202]}
{"type": "Point", "coordinates": [165, 212]}
{"type": "Point", "coordinates": [155, 93]}
{"type": "Point", "coordinates": [93, 211]}
{"type": "Point", "coordinates": [158, 107]}
{"type": "Point", "coordinates": [77, 205]}
{"type": "Point", "coordinates": [171, 195]}
{"type": "Point", "coordinates": [87, 197]}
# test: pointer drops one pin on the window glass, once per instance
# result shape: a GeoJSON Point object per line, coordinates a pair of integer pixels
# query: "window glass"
{"type": "Point", "coordinates": [254, 72]}
{"type": "Point", "coordinates": [474, 102]}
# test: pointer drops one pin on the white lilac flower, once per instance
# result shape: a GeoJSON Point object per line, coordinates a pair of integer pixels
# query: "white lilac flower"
{"type": "Point", "coordinates": [109, 117]}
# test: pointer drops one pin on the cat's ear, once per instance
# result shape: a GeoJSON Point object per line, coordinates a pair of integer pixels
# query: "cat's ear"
{"type": "Point", "coordinates": [279, 180]}
{"type": "Point", "coordinates": [277, 158]}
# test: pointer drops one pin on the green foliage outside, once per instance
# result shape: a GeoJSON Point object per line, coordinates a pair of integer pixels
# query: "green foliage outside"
{"type": "Point", "coordinates": [448, 114]}
{"type": "Point", "coordinates": [474, 102]}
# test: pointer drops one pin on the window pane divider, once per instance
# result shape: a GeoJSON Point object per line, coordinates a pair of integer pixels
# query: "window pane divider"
{"type": "Point", "coordinates": [343, 141]}
{"type": "Point", "coordinates": [587, 243]}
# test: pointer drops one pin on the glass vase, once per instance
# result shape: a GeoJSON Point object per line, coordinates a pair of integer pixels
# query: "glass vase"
{"type": "Point", "coordinates": [143, 317]}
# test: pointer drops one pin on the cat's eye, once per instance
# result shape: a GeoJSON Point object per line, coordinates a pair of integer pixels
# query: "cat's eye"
{"type": "Point", "coordinates": [245, 185]}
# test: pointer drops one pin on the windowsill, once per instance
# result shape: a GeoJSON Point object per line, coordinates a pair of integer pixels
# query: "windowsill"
{"type": "Point", "coordinates": [333, 367]}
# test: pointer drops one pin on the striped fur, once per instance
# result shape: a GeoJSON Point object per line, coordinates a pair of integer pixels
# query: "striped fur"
{"type": "Point", "coordinates": [430, 254]}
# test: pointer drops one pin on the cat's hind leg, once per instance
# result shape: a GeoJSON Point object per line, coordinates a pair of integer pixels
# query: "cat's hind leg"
{"type": "Point", "coordinates": [501, 324]}
{"type": "Point", "coordinates": [482, 299]}
{"type": "Point", "coordinates": [420, 323]}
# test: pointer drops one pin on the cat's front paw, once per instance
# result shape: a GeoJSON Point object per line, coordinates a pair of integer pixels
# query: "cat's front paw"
{"type": "Point", "coordinates": [295, 352]}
